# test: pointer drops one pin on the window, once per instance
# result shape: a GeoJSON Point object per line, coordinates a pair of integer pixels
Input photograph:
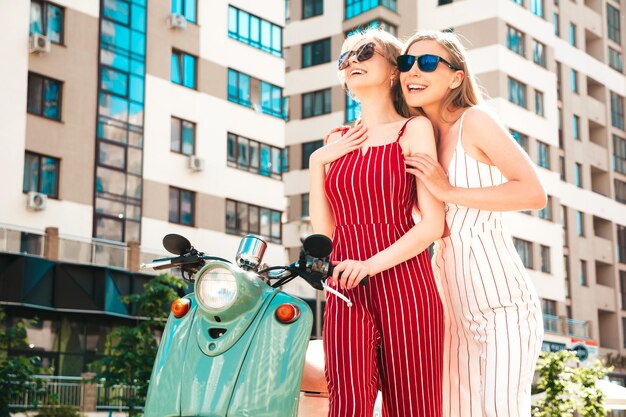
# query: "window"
{"type": "Point", "coordinates": [559, 81]}
{"type": "Point", "coordinates": [251, 92]}
{"type": "Point", "coordinates": [539, 103]}
{"type": "Point", "coordinates": [311, 8]}
{"type": "Point", "coordinates": [183, 69]}
{"type": "Point", "coordinates": [356, 7]}
{"type": "Point", "coordinates": [243, 218]}
{"type": "Point", "coordinates": [580, 224]}
{"type": "Point", "coordinates": [520, 2]}
{"type": "Point", "coordinates": [316, 103]}
{"type": "Point", "coordinates": [578, 175]}
{"type": "Point", "coordinates": [566, 275]}
{"type": "Point", "coordinates": [185, 8]}
{"type": "Point", "coordinates": [182, 206]}
{"type": "Point", "coordinates": [47, 19]}
{"type": "Point", "coordinates": [622, 287]}
{"type": "Point", "coordinates": [515, 41]}
{"type": "Point", "coordinates": [307, 149]}
{"type": "Point", "coordinates": [44, 96]}
{"type": "Point", "coordinates": [556, 24]}
{"type": "Point", "coordinates": [620, 191]}
{"type": "Point", "coordinates": [613, 24]}
{"type": "Point", "coordinates": [615, 60]}
{"type": "Point", "coordinates": [305, 205]}
{"type": "Point", "coordinates": [572, 34]}
{"type": "Point", "coordinates": [545, 259]}
{"type": "Point", "coordinates": [444, 2]}
{"type": "Point", "coordinates": [353, 109]}
{"type": "Point", "coordinates": [582, 278]}
{"type": "Point", "coordinates": [562, 167]}
{"type": "Point", "coordinates": [525, 251]}
{"type": "Point", "coordinates": [619, 154]}
{"type": "Point", "coordinates": [183, 136]}
{"type": "Point", "coordinates": [543, 155]}
{"type": "Point", "coordinates": [576, 127]}
{"type": "Point", "coordinates": [254, 31]}
{"type": "Point", "coordinates": [520, 138]}
{"type": "Point", "coordinates": [621, 244]}
{"type": "Point", "coordinates": [536, 6]}
{"type": "Point", "coordinates": [41, 174]}
{"type": "Point", "coordinates": [315, 53]}
{"type": "Point", "coordinates": [617, 111]}
{"type": "Point", "coordinates": [539, 53]}
{"type": "Point", "coordinates": [253, 156]}
{"type": "Point", "coordinates": [548, 307]}
{"type": "Point", "coordinates": [574, 81]}
{"type": "Point", "coordinates": [239, 87]}
{"type": "Point", "coordinates": [517, 92]}
{"type": "Point", "coordinates": [546, 212]}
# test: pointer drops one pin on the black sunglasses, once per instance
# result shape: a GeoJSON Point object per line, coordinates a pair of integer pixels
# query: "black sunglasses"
{"type": "Point", "coordinates": [362, 53]}
{"type": "Point", "coordinates": [426, 63]}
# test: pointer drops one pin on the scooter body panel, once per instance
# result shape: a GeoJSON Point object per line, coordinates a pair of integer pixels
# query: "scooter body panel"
{"type": "Point", "coordinates": [259, 375]}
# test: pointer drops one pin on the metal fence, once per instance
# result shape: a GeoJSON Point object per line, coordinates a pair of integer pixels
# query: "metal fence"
{"type": "Point", "coordinates": [69, 391]}
{"type": "Point", "coordinates": [50, 390]}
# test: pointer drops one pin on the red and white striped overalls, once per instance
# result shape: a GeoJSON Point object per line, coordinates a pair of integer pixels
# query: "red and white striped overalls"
{"type": "Point", "coordinates": [392, 337]}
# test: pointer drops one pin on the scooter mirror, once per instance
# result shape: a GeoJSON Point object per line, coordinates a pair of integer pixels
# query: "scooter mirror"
{"type": "Point", "coordinates": [176, 244]}
{"type": "Point", "coordinates": [318, 246]}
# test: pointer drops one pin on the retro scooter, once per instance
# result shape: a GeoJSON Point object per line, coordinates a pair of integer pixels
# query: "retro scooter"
{"type": "Point", "coordinates": [237, 345]}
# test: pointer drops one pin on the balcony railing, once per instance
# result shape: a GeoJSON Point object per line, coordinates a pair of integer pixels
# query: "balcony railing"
{"type": "Point", "coordinates": [75, 249]}
{"type": "Point", "coordinates": [70, 390]}
{"type": "Point", "coordinates": [578, 328]}
{"type": "Point", "coordinates": [552, 324]}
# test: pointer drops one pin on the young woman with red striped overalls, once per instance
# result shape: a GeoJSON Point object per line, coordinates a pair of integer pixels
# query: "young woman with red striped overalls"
{"type": "Point", "coordinates": [494, 325]}
{"type": "Point", "coordinates": [361, 195]}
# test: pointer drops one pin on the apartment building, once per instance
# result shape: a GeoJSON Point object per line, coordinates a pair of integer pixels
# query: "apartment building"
{"type": "Point", "coordinates": [125, 120]}
{"type": "Point", "coordinates": [553, 72]}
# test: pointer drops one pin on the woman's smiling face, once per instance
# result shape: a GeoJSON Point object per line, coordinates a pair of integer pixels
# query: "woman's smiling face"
{"type": "Point", "coordinates": [375, 71]}
{"type": "Point", "coordinates": [422, 89]}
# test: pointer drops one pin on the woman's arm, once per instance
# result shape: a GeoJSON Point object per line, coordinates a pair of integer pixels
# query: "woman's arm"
{"type": "Point", "coordinates": [418, 137]}
{"type": "Point", "coordinates": [336, 146]}
{"type": "Point", "coordinates": [522, 191]}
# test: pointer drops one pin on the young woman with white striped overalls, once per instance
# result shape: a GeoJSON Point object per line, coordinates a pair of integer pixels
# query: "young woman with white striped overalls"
{"type": "Point", "coordinates": [494, 324]}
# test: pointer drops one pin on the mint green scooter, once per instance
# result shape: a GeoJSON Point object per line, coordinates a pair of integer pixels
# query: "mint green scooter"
{"type": "Point", "coordinates": [237, 345]}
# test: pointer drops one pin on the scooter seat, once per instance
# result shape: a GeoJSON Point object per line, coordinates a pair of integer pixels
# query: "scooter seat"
{"type": "Point", "coordinates": [313, 380]}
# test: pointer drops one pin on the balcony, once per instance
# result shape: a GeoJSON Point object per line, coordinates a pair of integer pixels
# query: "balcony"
{"type": "Point", "coordinates": [552, 324]}
{"type": "Point", "coordinates": [596, 110]}
{"type": "Point", "coordinates": [50, 245]}
{"type": "Point", "coordinates": [605, 298]}
{"type": "Point", "coordinates": [603, 250]}
{"type": "Point", "coordinates": [578, 328]}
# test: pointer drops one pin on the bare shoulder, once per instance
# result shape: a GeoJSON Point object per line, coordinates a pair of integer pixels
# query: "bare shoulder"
{"type": "Point", "coordinates": [479, 119]}
{"type": "Point", "coordinates": [418, 136]}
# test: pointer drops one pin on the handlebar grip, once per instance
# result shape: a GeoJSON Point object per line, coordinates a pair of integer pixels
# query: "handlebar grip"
{"type": "Point", "coordinates": [363, 281]}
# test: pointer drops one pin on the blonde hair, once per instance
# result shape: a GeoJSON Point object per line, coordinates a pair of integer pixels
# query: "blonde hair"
{"type": "Point", "coordinates": [468, 93]}
{"type": "Point", "coordinates": [391, 49]}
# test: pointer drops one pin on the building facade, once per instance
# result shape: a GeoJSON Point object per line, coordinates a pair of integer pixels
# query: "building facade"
{"type": "Point", "coordinates": [126, 120]}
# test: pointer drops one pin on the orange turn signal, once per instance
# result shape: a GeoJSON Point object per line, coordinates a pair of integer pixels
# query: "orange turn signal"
{"type": "Point", "coordinates": [180, 307]}
{"type": "Point", "coordinates": [287, 313]}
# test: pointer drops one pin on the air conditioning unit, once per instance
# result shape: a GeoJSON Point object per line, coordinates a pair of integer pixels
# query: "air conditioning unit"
{"type": "Point", "coordinates": [176, 21]}
{"type": "Point", "coordinates": [196, 163]}
{"type": "Point", "coordinates": [38, 44]}
{"type": "Point", "coordinates": [37, 201]}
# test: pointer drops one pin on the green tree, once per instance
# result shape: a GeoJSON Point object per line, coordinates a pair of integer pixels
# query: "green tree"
{"type": "Point", "coordinates": [16, 372]}
{"type": "Point", "coordinates": [131, 351]}
{"type": "Point", "coordinates": [568, 389]}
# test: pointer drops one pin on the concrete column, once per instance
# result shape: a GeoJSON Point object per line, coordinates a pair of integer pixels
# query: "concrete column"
{"type": "Point", "coordinates": [51, 243]}
{"type": "Point", "coordinates": [88, 392]}
{"type": "Point", "coordinates": [132, 257]}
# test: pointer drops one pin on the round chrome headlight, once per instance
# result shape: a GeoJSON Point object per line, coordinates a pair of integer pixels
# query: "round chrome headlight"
{"type": "Point", "coordinates": [216, 289]}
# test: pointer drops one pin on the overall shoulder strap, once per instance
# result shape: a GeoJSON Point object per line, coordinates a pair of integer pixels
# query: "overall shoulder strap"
{"type": "Point", "coordinates": [403, 128]}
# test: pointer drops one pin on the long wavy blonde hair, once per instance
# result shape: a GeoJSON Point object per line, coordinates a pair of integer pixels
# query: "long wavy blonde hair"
{"type": "Point", "coordinates": [391, 48]}
{"type": "Point", "coordinates": [467, 94]}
